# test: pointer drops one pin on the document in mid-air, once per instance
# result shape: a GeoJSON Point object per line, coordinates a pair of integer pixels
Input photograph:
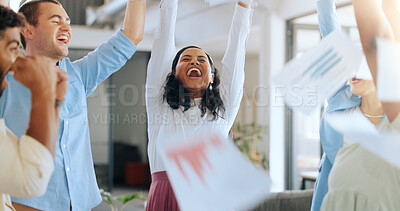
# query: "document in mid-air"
{"type": "Point", "coordinates": [306, 81]}
{"type": "Point", "coordinates": [208, 172]}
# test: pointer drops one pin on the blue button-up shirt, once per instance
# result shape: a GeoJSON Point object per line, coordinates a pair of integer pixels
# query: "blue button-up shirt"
{"type": "Point", "coordinates": [73, 181]}
{"type": "Point", "coordinates": [331, 140]}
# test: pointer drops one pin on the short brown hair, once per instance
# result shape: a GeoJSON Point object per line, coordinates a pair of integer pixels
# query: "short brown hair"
{"type": "Point", "coordinates": [30, 10]}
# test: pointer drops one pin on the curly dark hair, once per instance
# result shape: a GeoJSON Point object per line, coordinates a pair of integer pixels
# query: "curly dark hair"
{"type": "Point", "coordinates": [176, 95]}
{"type": "Point", "coordinates": [9, 19]}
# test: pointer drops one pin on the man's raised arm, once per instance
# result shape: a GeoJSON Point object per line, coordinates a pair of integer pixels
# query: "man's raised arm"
{"type": "Point", "coordinates": [134, 20]}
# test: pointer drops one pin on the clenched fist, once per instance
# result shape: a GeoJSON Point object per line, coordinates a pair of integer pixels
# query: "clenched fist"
{"type": "Point", "coordinates": [37, 73]}
{"type": "Point", "coordinates": [62, 84]}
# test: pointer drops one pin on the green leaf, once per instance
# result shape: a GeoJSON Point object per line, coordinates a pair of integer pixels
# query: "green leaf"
{"type": "Point", "coordinates": [106, 196]}
{"type": "Point", "coordinates": [125, 198]}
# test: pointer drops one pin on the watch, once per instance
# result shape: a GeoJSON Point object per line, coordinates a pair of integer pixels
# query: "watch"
{"type": "Point", "coordinates": [59, 103]}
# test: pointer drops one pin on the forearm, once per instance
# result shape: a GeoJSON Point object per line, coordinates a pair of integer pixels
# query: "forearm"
{"type": "Point", "coordinates": [240, 28]}
{"type": "Point", "coordinates": [232, 74]}
{"type": "Point", "coordinates": [57, 120]}
{"type": "Point", "coordinates": [164, 36]}
{"type": "Point", "coordinates": [327, 17]}
{"type": "Point", "coordinates": [43, 123]}
{"type": "Point", "coordinates": [371, 23]}
{"type": "Point", "coordinates": [163, 49]}
{"type": "Point", "coordinates": [134, 20]}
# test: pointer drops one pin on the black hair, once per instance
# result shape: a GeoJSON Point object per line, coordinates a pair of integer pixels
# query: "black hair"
{"type": "Point", "coordinates": [31, 11]}
{"type": "Point", "coordinates": [176, 95]}
{"type": "Point", "coordinates": [9, 19]}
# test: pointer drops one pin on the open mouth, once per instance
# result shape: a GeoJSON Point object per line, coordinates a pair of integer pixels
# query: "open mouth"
{"type": "Point", "coordinates": [63, 38]}
{"type": "Point", "coordinates": [194, 72]}
{"type": "Point", "coordinates": [355, 80]}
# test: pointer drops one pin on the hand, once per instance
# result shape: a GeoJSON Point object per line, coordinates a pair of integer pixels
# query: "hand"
{"type": "Point", "coordinates": [62, 84]}
{"type": "Point", "coordinates": [37, 73]}
{"type": "Point", "coordinates": [245, 3]}
{"type": "Point", "coordinates": [5, 3]}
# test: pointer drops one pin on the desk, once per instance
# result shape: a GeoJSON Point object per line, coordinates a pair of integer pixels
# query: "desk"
{"type": "Point", "coordinates": [307, 176]}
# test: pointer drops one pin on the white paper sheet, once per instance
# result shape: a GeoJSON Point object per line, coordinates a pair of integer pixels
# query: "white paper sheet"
{"type": "Point", "coordinates": [208, 172]}
{"type": "Point", "coordinates": [364, 72]}
{"type": "Point", "coordinates": [358, 128]}
{"type": "Point", "coordinates": [319, 72]}
{"type": "Point", "coordinates": [388, 84]}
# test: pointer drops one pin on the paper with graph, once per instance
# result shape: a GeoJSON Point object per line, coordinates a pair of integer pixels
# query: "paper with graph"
{"type": "Point", "coordinates": [208, 172]}
{"type": "Point", "coordinates": [388, 84]}
{"type": "Point", "coordinates": [358, 129]}
{"type": "Point", "coordinates": [306, 82]}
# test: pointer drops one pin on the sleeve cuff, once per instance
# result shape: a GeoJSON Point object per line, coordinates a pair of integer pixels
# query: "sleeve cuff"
{"type": "Point", "coordinates": [169, 3]}
{"type": "Point", "coordinates": [241, 12]}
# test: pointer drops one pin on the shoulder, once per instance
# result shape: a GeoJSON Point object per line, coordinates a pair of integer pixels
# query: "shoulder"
{"type": "Point", "coordinates": [387, 126]}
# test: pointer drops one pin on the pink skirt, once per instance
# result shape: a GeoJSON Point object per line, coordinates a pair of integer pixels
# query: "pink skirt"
{"type": "Point", "coordinates": [161, 196]}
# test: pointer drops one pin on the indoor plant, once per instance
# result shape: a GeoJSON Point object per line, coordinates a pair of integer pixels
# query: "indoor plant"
{"type": "Point", "coordinates": [124, 199]}
{"type": "Point", "coordinates": [246, 137]}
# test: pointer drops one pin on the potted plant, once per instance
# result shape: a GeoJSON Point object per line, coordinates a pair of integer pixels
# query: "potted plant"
{"type": "Point", "coordinates": [246, 137]}
{"type": "Point", "coordinates": [121, 200]}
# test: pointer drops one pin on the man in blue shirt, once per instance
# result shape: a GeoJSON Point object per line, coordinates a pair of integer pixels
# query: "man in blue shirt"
{"type": "Point", "coordinates": [331, 140]}
{"type": "Point", "coordinates": [73, 184]}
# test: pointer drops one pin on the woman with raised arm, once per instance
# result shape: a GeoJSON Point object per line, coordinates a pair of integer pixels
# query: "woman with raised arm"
{"type": "Point", "coordinates": [358, 94]}
{"type": "Point", "coordinates": [360, 180]}
{"type": "Point", "coordinates": [375, 20]}
{"type": "Point", "coordinates": [185, 93]}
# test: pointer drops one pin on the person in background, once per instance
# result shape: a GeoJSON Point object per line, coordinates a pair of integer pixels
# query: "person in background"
{"type": "Point", "coordinates": [73, 185]}
{"type": "Point", "coordinates": [27, 163]}
{"type": "Point", "coordinates": [361, 180]}
{"type": "Point", "coordinates": [358, 94]}
{"type": "Point", "coordinates": [194, 95]}
{"type": "Point", "coordinates": [382, 21]}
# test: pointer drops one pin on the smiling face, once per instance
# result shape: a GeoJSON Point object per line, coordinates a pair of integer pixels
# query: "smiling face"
{"type": "Point", "coordinates": [193, 70]}
{"type": "Point", "coordinates": [52, 34]}
{"type": "Point", "coordinates": [361, 87]}
{"type": "Point", "coordinates": [9, 47]}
